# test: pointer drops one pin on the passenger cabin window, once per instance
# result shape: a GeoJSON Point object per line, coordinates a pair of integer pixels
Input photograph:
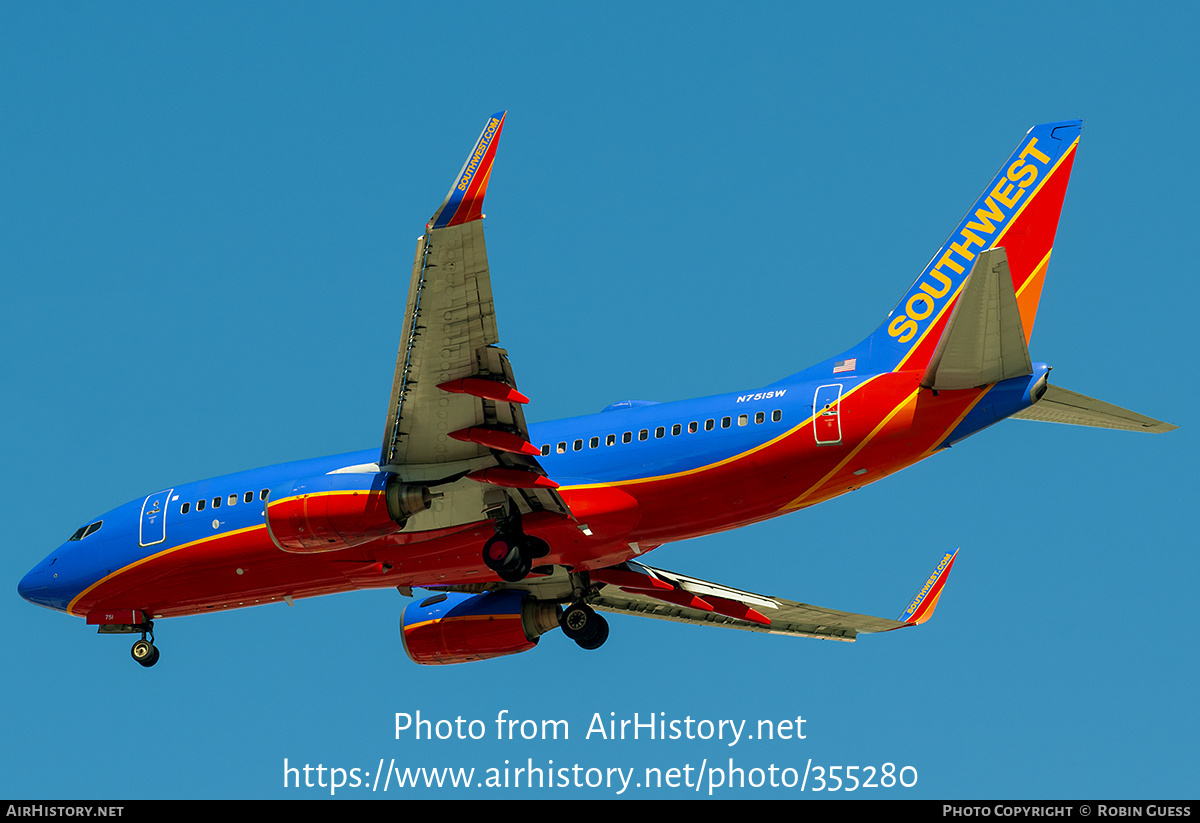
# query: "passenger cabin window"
{"type": "Point", "coordinates": [233, 499]}
{"type": "Point", "coordinates": [743, 419]}
{"type": "Point", "coordinates": [776, 415]}
{"type": "Point", "coordinates": [562, 447]}
{"type": "Point", "coordinates": [216, 502]}
{"type": "Point", "coordinates": [578, 445]}
{"type": "Point", "coordinates": [710, 424]}
{"type": "Point", "coordinates": [760, 417]}
{"type": "Point", "coordinates": [262, 495]}
{"type": "Point", "coordinates": [627, 437]}
{"type": "Point", "coordinates": [726, 421]}
{"type": "Point", "coordinates": [676, 429]}
{"type": "Point", "coordinates": [546, 449]}
{"type": "Point", "coordinates": [185, 508]}
{"type": "Point", "coordinates": [200, 505]}
{"type": "Point", "coordinates": [610, 440]}
{"type": "Point", "coordinates": [594, 442]}
{"type": "Point", "coordinates": [660, 432]}
{"type": "Point", "coordinates": [249, 498]}
{"type": "Point", "coordinates": [693, 427]}
{"type": "Point", "coordinates": [644, 434]}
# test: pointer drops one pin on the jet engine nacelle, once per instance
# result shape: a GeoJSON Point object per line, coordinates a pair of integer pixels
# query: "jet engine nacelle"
{"type": "Point", "coordinates": [336, 511]}
{"type": "Point", "coordinates": [457, 628]}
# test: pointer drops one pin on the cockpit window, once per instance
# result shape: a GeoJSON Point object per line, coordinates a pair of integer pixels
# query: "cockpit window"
{"type": "Point", "coordinates": [84, 531]}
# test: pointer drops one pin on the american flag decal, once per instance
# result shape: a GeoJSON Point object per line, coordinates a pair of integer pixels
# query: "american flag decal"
{"type": "Point", "coordinates": [844, 365]}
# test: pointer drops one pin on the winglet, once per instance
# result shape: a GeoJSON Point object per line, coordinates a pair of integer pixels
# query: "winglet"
{"type": "Point", "coordinates": [464, 203]}
{"type": "Point", "coordinates": [922, 606]}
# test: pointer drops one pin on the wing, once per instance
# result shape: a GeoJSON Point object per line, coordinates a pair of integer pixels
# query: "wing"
{"type": "Point", "coordinates": [455, 420]}
{"type": "Point", "coordinates": [632, 588]}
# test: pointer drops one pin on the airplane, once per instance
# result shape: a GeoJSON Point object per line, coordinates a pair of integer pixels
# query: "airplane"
{"type": "Point", "coordinates": [517, 529]}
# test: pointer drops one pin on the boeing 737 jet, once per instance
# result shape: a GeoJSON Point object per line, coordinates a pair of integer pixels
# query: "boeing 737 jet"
{"type": "Point", "coordinates": [516, 529]}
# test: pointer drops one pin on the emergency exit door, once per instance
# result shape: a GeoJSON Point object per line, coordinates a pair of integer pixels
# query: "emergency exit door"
{"type": "Point", "coordinates": [827, 419]}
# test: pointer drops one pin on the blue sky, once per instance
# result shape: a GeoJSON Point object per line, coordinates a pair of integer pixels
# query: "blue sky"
{"type": "Point", "coordinates": [208, 220]}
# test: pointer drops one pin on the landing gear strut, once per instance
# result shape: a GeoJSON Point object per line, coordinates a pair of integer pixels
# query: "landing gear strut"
{"type": "Point", "coordinates": [510, 552]}
{"type": "Point", "coordinates": [144, 651]}
{"type": "Point", "coordinates": [580, 623]}
{"type": "Point", "coordinates": [502, 554]}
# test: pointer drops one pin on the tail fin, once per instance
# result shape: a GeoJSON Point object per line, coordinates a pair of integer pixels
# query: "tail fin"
{"type": "Point", "coordinates": [1019, 211]}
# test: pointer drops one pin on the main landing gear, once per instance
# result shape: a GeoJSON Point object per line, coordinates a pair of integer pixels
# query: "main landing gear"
{"type": "Point", "coordinates": [580, 623]}
{"type": "Point", "coordinates": [144, 651]}
{"type": "Point", "coordinates": [510, 552]}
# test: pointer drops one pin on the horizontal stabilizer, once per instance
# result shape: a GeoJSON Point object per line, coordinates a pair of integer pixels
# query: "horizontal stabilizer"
{"type": "Point", "coordinates": [632, 588]}
{"type": "Point", "coordinates": [1060, 405]}
{"type": "Point", "coordinates": [984, 341]}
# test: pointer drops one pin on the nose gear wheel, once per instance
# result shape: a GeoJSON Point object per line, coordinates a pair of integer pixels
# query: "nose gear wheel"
{"type": "Point", "coordinates": [144, 651]}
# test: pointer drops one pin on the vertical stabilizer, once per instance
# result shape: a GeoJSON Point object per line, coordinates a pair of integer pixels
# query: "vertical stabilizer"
{"type": "Point", "coordinates": [1018, 210]}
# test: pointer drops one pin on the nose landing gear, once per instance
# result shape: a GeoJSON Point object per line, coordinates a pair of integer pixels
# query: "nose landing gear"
{"type": "Point", "coordinates": [144, 651]}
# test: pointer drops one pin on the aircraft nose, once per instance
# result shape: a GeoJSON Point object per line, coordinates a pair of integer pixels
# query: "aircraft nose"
{"type": "Point", "coordinates": [41, 586]}
{"type": "Point", "coordinates": [32, 583]}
